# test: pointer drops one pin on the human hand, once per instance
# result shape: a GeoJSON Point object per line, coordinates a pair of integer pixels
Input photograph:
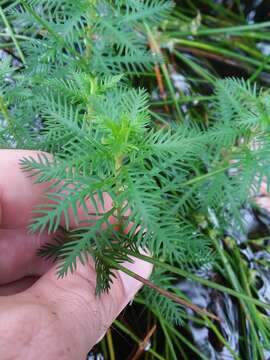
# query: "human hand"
{"type": "Point", "coordinates": [42, 317]}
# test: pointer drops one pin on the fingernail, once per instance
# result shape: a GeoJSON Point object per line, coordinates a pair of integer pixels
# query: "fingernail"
{"type": "Point", "coordinates": [130, 284]}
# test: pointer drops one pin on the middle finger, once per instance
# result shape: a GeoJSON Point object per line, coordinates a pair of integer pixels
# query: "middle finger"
{"type": "Point", "coordinates": [18, 254]}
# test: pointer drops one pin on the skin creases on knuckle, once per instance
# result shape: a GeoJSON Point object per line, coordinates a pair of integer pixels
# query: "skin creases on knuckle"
{"type": "Point", "coordinates": [94, 327]}
{"type": "Point", "coordinates": [94, 314]}
{"type": "Point", "coordinates": [83, 310]}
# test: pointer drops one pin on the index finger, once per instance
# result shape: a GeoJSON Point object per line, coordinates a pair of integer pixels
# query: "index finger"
{"type": "Point", "coordinates": [18, 195]}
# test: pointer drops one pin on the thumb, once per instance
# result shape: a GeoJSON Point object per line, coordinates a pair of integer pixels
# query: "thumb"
{"type": "Point", "coordinates": [77, 307]}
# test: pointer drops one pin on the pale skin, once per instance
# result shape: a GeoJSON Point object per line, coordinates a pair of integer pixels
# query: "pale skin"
{"type": "Point", "coordinates": [42, 317]}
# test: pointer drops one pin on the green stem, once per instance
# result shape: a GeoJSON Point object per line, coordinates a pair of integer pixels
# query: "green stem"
{"type": "Point", "coordinates": [125, 330]}
{"type": "Point", "coordinates": [89, 31]}
{"type": "Point", "coordinates": [168, 339]}
{"type": "Point", "coordinates": [110, 344]}
{"type": "Point", "coordinates": [257, 73]}
{"type": "Point", "coordinates": [183, 100]}
{"type": "Point", "coordinates": [76, 56]}
{"type": "Point", "coordinates": [22, 37]}
{"type": "Point", "coordinates": [250, 310]}
{"type": "Point", "coordinates": [198, 279]}
{"type": "Point", "coordinates": [104, 348]}
{"type": "Point", "coordinates": [213, 49]}
{"type": "Point", "coordinates": [161, 291]}
{"type": "Point", "coordinates": [206, 176]}
{"type": "Point", "coordinates": [255, 316]}
{"type": "Point", "coordinates": [230, 30]}
{"type": "Point", "coordinates": [165, 73]}
{"type": "Point", "coordinates": [201, 322]}
{"type": "Point", "coordinates": [188, 344]}
{"type": "Point", "coordinates": [205, 74]}
{"type": "Point", "coordinates": [11, 33]}
{"type": "Point", "coordinates": [8, 118]}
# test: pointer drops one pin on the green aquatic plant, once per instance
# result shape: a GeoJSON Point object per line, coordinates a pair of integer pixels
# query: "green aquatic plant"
{"type": "Point", "coordinates": [71, 96]}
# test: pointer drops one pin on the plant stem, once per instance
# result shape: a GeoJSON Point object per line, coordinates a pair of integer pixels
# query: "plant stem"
{"type": "Point", "coordinates": [183, 100]}
{"type": "Point", "coordinates": [110, 344]}
{"type": "Point", "coordinates": [206, 176]}
{"type": "Point", "coordinates": [196, 278]}
{"type": "Point", "coordinates": [205, 74]}
{"type": "Point", "coordinates": [11, 34]}
{"type": "Point", "coordinates": [8, 118]}
{"type": "Point", "coordinates": [248, 308]}
{"type": "Point", "coordinates": [161, 291]}
{"type": "Point", "coordinates": [205, 322]}
{"type": "Point", "coordinates": [156, 48]}
{"type": "Point", "coordinates": [213, 49]}
{"type": "Point", "coordinates": [255, 316]}
{"type": "Point", "coordinates": [144, 343]}
{"type": "Point", "coordinates": [168, 339]}
{"type": "Point", "coordinates": [136, 339]}
{"type": "Point", "coordinates": [230, 30]}
{"type": "Point", "coordinates": [76, 55]}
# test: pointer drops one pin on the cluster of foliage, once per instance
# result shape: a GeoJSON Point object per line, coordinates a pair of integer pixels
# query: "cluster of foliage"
{"type": "Point", "coordinates": [70, 97]}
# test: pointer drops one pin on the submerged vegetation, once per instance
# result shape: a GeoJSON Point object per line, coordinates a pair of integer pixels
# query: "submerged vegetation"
{"type": "Point", "coordinates": [130, 98]}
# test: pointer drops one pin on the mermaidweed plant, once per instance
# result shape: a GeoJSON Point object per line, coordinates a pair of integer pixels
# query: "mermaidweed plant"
{"type": "Point", "coordinates": [70, 97]}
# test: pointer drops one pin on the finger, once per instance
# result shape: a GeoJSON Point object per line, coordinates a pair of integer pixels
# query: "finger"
{"type": "Point", "coordinates": [17, 286]}
{"type": "Point", "coordinates": [62, 318]}
{"type": "Point", "coordinates": [18, 195]}
{"type": "Point", "coordinates": [89, 316]}
{"type": "Point", "coordinates": [264, 202]}
{"type": "Point", "coordinates": [263, 199]}
{"type": "Point", "coordinates": [18, 255]}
